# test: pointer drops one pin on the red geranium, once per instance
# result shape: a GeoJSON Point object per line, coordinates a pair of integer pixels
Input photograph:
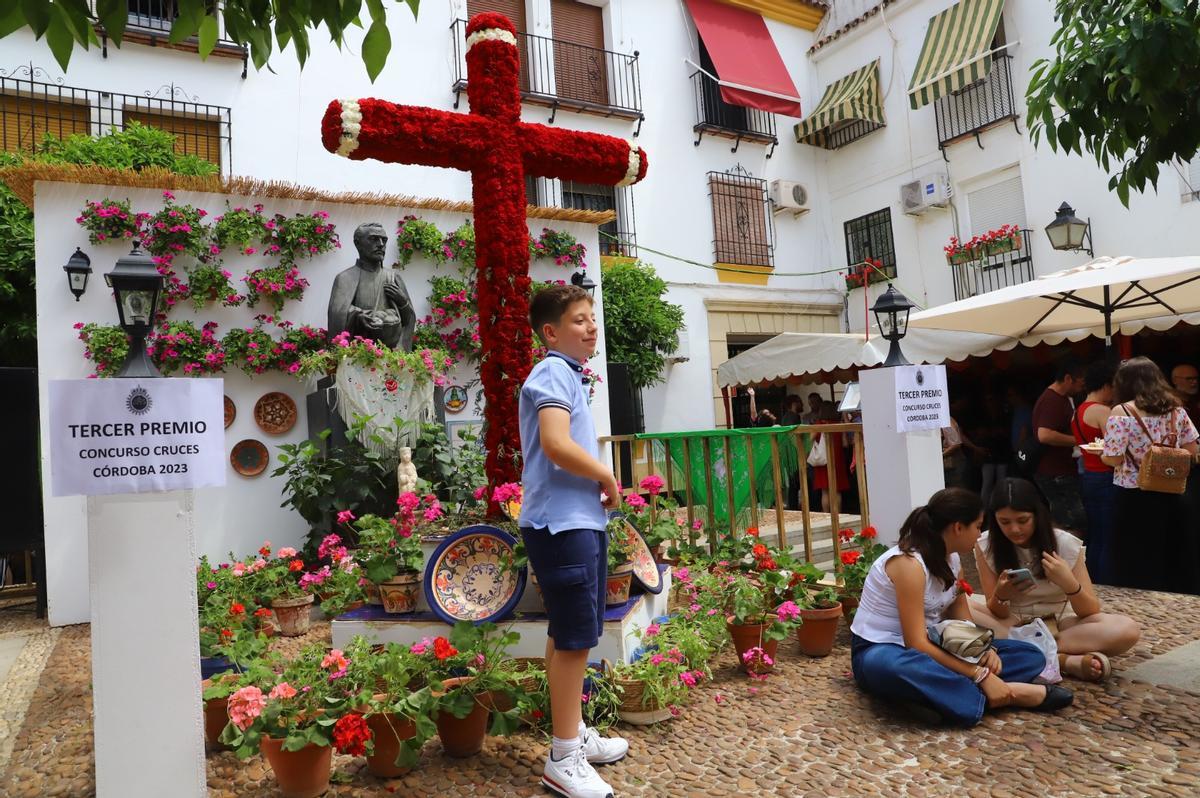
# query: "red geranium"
{"type": "Point", "coordinates": [759, 550]}
{"type": "Point", "coordinates": [265, 551]}
{"type": "Point", "coordinates": [296, 565]}
{"type": "Point", "coordinates": [262, 612]}
{"type": "Point", "coordinates": [752, 531]}
{"type": "Point", "coordinates": [351, 735]}
{"type": "Point", "coordinates": [850, 557]}
{"type": "Point", "coordinates": [227, 633]}
{"type": "Point", "coordinates": [237, 609]}
{"type": "Point", "coordinates": [869, 532]}
{"type": "Point", "coordinates": [442, 648]}
{"type": "Point", "coordinates": [845, 535]}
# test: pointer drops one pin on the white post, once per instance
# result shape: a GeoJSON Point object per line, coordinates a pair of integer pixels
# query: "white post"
{"type": "Point", "coordinates": [149, 723]}
{"type": "Point", "coordinates": [903, 468]}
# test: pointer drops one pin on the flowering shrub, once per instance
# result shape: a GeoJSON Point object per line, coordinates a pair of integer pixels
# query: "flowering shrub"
{"type": "Point", "coordinates": [386, 546]}
{"type": "Point", "coordinates": [453, 323]}
{"type": "Point", "coordinates": [105, 345]}
{"type": "Point", "coordinates": [421, 364]}
{"type": "Point", "coordinates": [655, 518]}
{"type": "Point", "coordinates": [178, 345]}
{"type": "Point", "coordinates": [559, 245]}
{"type": "Point", "coordinates": [209, 282]}
{"type": "Point", "coordinates": [459, 246]}
{"type": "Point", "coordinates": [339, 582]}
{"type": "Point", "coordinates": [249, 348]}
{"type": "Point", "coordinates": [277, 284]}
{"type": "Point", "coordinates": [176, 230]}
{"type": "Point", "coordinates": [856, 562]}
{"type": "Point", "coordinates": [478, 654]}
{"type": "Point", "coordinates": [415, 236]}
{"type": "Point", "coordinates": [302, 236]}
{"type": "Point", "coordinates": [110, 220]}
{"type": "Point", "coordinates": [281, 577]}
{"type": "Point", "coordinates": [294, 344]}
{"type": "Point", "coordinates": [663, 669]}
{"type": "Point", "coordinates": [243, 228]}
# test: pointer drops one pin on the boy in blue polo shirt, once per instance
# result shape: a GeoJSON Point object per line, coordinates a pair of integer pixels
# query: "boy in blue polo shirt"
{"type": "Point", "coordinates": [566, 492]}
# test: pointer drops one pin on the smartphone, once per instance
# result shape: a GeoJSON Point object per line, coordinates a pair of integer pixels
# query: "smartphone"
{"type": "Point", "coordinates": [1020, 575]}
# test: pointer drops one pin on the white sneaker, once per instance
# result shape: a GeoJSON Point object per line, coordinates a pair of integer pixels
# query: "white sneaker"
{"type": "Point", "coordinates": [602, 750]}
{"type": "Point", "coordinates": [574, 777]}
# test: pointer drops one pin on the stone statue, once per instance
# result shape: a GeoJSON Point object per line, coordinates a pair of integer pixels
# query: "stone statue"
{"type": "Point", "coordinates": [369, 300]}
{"type": "Point", "coordinates": [406, 472]}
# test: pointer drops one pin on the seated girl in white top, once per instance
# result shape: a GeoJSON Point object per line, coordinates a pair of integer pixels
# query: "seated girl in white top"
{"type": "Point", "coordinates": [1021, 539]}
{"type": "Point", "coordinates": [914, 585]}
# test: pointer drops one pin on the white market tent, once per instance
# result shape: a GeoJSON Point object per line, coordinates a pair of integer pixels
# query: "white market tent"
{"type": "Point", "coordinates": [793, 356]}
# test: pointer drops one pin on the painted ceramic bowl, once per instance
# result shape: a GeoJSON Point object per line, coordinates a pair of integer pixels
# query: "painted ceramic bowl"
{"type": "Point", "coordinates": [645, 570]}
{"type": "Point", "coordinates": [468, 579]}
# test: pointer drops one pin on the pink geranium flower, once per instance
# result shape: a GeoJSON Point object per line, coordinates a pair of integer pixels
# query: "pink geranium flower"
{"type": "Point", "coordinates": [282, 690]}
{"type": "Point", "coordinates": [245, 705]}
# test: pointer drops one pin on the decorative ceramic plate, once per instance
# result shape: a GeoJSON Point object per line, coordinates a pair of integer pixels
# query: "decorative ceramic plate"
{"type": "Point", "coordinates": [249, 457]}
{"type": "Point", "coordinates": [275, 413]}
{"type": "Point", "coordinates": [466, 580]}
{"type": "Point", "coordinates": [230, 412]}
{"type": "Point", "coordinates": [645, 569]}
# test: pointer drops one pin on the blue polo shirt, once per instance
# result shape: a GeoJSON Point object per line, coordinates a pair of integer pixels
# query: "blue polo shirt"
{"type": "Point", "coordinates": [554, 498]}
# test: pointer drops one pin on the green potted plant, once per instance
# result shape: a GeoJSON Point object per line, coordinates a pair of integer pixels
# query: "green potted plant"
{"type": "Point", "coordinates": [620, 568]}
{"type": "Point", "coordinates": [652, 686]}
{"type": "Point", "coordinates": [297, 714]}
{"type": "Point", "coordinates": [863, 549]}
{"type": "Point", "coordinates": [339, 582]}
{"type": "Point", "coordinates": [819, 611]}
{"type": "Point", "coordinates": [390, 555]}
{"type": "Point", "coordinates": [280, 583]}
{"type": "Point", "coordinates": [655, 518]}
{"type": "Point", "coordinates": [467, 672]}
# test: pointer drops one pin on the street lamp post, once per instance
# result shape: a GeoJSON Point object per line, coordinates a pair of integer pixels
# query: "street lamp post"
{"type": "Point", "coordinates": [891, 313]}
{"type": "Point", "coordinates": [1068, 233]}
{"type": "Point", "coordinates": [78, 269]}
{"type": "Point", "coordinates": [136, 286]}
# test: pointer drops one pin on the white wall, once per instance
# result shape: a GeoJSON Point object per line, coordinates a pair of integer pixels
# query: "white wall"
{"type": "Point", "coordinates": [246, 511]}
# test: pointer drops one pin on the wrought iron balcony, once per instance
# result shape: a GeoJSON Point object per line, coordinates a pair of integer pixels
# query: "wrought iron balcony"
{"type": "Point", "coordinates": [983, 104]}
{"type": "Point", "coordinates": [994, 271]}
{"type": "Point", "coordinates": [559, 74]}
{"type": "Point", "coordinates": [149, 22]}
{"type": "Point", "coordinates": [717, 117]}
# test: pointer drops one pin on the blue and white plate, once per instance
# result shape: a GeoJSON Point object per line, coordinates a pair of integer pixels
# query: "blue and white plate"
{"type": "Point", "coordinates": [466, 578]}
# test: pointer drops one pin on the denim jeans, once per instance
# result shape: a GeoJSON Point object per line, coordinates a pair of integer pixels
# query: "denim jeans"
{"type": "Point", "coordinates": [898, 673]}
{"type": "Point", "coordinates": [1100, 502]}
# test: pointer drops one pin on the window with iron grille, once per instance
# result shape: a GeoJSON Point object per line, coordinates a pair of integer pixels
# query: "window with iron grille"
{"type": "Point", "coordinates": [870, 236]}
{"type": "Point", "coordinates": [742, 230]}
{"type": "Point", "coordinates": [616, 237]}
{"type": "Point", "coordinates": [29, 109]}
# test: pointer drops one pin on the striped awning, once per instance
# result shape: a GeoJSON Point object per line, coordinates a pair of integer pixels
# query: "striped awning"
{"type": "Point", "coordinates": [957, 50]}
{"type": "Point", "coordinates": [854, 98]}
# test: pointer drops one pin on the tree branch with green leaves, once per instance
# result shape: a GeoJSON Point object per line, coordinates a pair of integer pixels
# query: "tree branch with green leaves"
{"type": "Point", "coordinates": [261, 26]}
{"type": "Point", "coordinates": [1124, 85]}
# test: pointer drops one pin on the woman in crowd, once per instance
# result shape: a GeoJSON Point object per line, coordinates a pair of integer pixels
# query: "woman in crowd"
{"type": "Point", "coordinates": [915, 584]}
{"type": "Point", "coordinates": [1152, 545]}
{"type": "Point", "coordinates": [1021, 535]}
{"type": "Point", "coordinates": [1096, 485]}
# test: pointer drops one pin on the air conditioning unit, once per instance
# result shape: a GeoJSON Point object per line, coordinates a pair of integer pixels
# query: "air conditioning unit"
{"type": "Point", "coordinates": [931, 191]}
{"type": "Point", "coordinates": [789, 196]}
{"type": "Point", "coordinates": [683, 352]}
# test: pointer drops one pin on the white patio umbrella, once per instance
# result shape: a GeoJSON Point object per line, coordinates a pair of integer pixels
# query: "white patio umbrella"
{"type": "Point", "coordinates": [793, 356]}
{"type": "Point", "coordinates": [1104, 293]}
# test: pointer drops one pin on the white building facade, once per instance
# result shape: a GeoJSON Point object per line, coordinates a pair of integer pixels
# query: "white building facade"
{"type": "Point", "coordinates": [642, 69]}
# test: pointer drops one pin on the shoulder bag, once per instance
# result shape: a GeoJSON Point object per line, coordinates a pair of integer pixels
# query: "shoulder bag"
{"type": "Point", "coordinates": [1165, 467]}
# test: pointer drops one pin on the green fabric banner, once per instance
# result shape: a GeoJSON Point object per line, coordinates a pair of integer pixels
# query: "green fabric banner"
{"type": "Point", "coordinates": [739, 469]}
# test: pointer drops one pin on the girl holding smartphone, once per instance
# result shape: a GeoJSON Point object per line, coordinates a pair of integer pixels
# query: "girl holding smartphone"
{"type": "Point", "coordinates": [1031, 570]}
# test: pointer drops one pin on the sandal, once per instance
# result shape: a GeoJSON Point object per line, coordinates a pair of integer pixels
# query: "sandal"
{"type": "Point", "coordinates": [1085, 671]}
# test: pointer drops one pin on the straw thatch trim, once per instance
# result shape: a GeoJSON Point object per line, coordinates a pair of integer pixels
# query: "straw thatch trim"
{"type": "Point", "coordinates": [21, 180]}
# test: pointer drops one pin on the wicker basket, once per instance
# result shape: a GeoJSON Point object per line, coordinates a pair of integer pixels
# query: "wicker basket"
{"type": "Point", "coordinates": [636, 707]}
{"type": "Point", "coordinates": [523, 664]}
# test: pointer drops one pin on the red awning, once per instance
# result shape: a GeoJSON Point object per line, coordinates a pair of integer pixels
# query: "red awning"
{"type": "Point", "coordinates": [749, 68]}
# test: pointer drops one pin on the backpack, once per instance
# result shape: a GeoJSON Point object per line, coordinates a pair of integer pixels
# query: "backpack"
{"type": "Point", "coordinates": [1166, 467]}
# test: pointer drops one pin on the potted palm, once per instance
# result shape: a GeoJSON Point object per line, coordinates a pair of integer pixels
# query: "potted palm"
{"type": "Point", "coordinates": [391, 558]}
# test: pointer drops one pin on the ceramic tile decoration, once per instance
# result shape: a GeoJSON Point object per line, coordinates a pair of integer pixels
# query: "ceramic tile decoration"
{"type": "Point", "coordinates": [466, 579]}
{"type": "Point", "coordinates": [645, 570]}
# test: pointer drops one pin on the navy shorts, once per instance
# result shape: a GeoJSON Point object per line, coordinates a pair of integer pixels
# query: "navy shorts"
{"type": "Point", "coordinates": [571, 567]}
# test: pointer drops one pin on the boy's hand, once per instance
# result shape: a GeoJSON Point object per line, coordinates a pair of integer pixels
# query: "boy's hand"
{"type": "Point", "coordinates": [612, 492]}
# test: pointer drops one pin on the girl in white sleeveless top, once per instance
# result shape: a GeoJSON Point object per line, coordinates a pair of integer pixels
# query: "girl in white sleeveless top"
{"type": "Point", "coordinates": [1022, 535]}
{"type": "Point", "coordinates": [915, 584]}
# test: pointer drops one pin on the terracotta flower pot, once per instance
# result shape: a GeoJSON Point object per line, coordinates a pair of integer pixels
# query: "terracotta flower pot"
{"type": "Point", "coordinates": [372, 591]}
{"type": "Point", "coordinates": [849, 605]}
{"type": "Point", "coordinates": [399, 593]}
{"type": "Point", "coordinates": [463, 737]}
{"type": "Point", "coordinates": [293, 615]}
{"type": "Point", "coordinates": [389, 731]}
{"type": "Point", "coordinates": [746, 636]}
{"type": "Point", "coordinates": [817, 633]}
{"type": "Point", "coordinates": [300, 774]}
{"type": "Point", "coordinates": [617, 585]}
{"type": "Point", "coordinates": [216, 716]}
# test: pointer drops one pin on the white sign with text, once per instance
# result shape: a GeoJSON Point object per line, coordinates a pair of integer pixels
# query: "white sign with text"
{"type": "Point", "coordinates": [136, 435]}
{"type": "Point", "coordinates": [922, 401]}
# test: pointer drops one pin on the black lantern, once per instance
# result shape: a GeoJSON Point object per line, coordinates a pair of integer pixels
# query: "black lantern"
{"type": "Point", "coordinates": [581, 279]}
{"type": "Point", "coordinates": [78, 269]}
{"type": "Point", "coordinates": [136, 286]}
{"type": "Point", "coordinates": [1068, 234]}
{"type": "Point", "coordinates": [891, 313]}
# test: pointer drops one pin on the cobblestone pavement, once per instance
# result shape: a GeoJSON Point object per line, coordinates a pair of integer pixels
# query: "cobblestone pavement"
{"type": "Point", "coordinates": [806, 732]}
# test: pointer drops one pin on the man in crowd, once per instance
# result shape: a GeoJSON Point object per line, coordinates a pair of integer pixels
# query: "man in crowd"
{"type": "Point", "coordinates": [1057, 474]}
{"type": "Point", "coordinates": [1186, 380]}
